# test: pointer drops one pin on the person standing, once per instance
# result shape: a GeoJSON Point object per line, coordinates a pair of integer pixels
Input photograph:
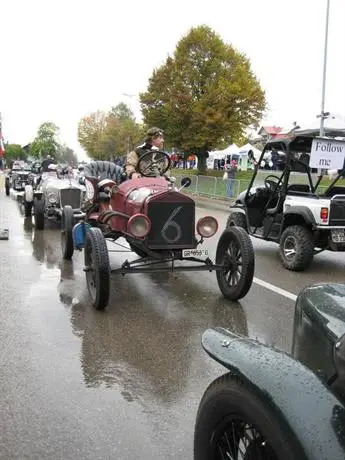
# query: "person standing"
{"type": "Point", "coordinates": [231, 170]}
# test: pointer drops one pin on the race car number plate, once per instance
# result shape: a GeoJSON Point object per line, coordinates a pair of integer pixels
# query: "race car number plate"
{"type": "Point", "coordinates": [195, 253]}
{"type": "Point", "coordinates": [338, 236]}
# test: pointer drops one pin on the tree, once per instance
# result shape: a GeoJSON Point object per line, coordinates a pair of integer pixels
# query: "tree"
{"type": "Point", "coordinates": [204, 96]}
{"type": "Point", "coordinates": [105, 136]}
{"type": "Point", "coordinates": [46, 142]}
{"type": "Point", "coordinates": [66, 155]}
{"type": "Point", "coordinates": [14, 152]}
{"type": "Point", "coordinates": [91, 134]}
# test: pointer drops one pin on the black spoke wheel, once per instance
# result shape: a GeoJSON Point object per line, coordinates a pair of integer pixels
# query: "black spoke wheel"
{"type": "Point", "coordinates": [234, 423]}
{"type": "Point", "coordinates": [67, 221]}
{"type": "Point", "coordinates": [97, 268]}
{"type": "Point", "coordinates": [39, 213]}
{"type": "Point", "coordinates": [235, 253]}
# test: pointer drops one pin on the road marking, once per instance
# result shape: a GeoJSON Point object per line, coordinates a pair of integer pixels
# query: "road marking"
{"type": "Point", "coordinates": [275, 289]}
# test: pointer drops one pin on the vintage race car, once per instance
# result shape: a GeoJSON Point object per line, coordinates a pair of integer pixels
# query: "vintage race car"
{"type": "Point", "coordinates": [18, 177]}
{"type": "Point", "coordinates": [272, 405]}
{"type": "Point", "coordinates": [158, 223]}
{"type": "Point", "coordinates": [55, 190]}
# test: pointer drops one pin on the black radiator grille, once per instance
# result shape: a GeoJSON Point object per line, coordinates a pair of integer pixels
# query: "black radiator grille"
{"type": "Point", "coordinates": [337, 212]}
{"type": "Point", "coordinates": [172, 225]}
{"type": "Point", "coordinates": [70, 196]}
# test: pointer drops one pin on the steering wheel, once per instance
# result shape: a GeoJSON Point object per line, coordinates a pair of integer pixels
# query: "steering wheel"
{"type": "Point", "coordinates": [270, 183]}
{"type": "Point", "coordinates": [154, 163]}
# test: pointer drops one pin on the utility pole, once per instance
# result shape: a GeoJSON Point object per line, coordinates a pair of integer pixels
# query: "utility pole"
{"type": "Point", "coordinates": [324, 114]}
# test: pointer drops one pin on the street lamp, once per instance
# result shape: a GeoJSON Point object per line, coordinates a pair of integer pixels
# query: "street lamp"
{"type": "Point", "coordinates": [324, 114]}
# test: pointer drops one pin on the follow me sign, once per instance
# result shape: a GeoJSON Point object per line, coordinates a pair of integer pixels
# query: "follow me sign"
{"type": "Point", "coordinates": [327, 154]}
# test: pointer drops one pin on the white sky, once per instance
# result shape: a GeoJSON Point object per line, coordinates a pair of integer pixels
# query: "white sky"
{"type": "Point", "coordinates": [62, 59]}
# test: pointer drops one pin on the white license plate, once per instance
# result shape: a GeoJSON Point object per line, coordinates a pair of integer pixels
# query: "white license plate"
{"type": "Point", "coordinates": [338, 236]}
{"type": "Point", "coordinates": [195, 253]}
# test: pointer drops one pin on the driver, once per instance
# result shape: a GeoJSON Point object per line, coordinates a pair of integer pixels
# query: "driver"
{"type": "Point", "coordinates": [154, 141]}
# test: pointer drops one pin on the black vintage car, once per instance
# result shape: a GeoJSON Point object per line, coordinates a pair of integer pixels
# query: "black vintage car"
{"type": "Point", "coordinates": [18, 177]}
{"type": "Point", "coordinates": [271, 405]}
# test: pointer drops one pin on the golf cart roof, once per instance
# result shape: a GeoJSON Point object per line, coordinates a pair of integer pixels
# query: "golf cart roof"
{"type": "Point", "coordinates": [300, 144]}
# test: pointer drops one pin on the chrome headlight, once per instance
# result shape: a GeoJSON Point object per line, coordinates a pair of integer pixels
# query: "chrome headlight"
{"type": "Point", "coordinates": [52, 197]}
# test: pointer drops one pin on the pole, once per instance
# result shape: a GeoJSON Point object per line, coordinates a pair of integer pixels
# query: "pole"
{"type": "Point", "coordinates": [322, 118]}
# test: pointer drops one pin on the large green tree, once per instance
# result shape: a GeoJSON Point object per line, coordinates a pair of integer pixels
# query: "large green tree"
{"type": "Point", "coordinates": [204, 96]}
{"type": "Point", "coordinates": [91, 134]}
{"type": "Point", "coordinates": [14, 152]}
{"type": "Point", "coordinates": [46, 141]}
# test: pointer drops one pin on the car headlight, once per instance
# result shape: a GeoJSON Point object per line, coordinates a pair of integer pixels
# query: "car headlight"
{"type": "Point", "coordinates": [139, 225]}
{"type": "Point", "coordinates": [207, 226]}
{"type": "Point", "coordinates": [52, 197]}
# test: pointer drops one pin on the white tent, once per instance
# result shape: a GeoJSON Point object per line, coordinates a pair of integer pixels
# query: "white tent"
{"type": "Point", "coordinates": [246, 148]}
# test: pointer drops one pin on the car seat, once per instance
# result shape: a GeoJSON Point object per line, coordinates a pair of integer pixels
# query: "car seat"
{"type": "Point", "coordinates": [104, 170]}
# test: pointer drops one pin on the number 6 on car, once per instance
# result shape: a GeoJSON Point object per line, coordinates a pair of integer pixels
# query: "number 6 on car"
{"type": "Point", "coordinates": [158, 222]}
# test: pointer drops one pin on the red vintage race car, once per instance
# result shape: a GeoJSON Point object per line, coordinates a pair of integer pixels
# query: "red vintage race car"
{"type": "Point", "coordinates": [157, 220]}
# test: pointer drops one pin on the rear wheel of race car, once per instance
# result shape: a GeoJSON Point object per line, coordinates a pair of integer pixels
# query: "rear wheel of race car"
{"type": "Point", "coordinates": [97, 268]}
{"type": "Point", "coordinates": [296, 248]}
{"type": "Point", "coordinates": [7, 186]}
{"type": "Point", "coordinates": [39, 213]}
{"type": "Point", "coordinates": [237, 219]}
{"type": "Point", "coordinates": [235, 253]}
{"type": "Point", "coordinates": [234, 422]}
{"type": "Point", "coordinates": [67, 221]}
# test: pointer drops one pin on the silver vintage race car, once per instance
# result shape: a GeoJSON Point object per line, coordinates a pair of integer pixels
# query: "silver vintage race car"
{"type": "Point", "coordinates": [55, 189]}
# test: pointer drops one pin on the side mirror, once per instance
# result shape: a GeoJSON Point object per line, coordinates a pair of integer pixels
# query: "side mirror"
{"type": "Point", "coordinates": [185, 182]}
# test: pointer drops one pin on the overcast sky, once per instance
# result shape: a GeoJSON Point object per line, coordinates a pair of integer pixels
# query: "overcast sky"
{"type": "Point", "coordinates": [62, 59]}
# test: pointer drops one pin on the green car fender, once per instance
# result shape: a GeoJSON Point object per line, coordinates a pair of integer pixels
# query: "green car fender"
{"type": "Point", "coordinates": [303, 403]}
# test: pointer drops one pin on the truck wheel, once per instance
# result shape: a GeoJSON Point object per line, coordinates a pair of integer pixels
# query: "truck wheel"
{"type": "Point", "coordinates": [234, 422]}
{"type": "Point", "coordinates": [237, 219]}
{"type": "Point", "coordinates": [97, 268]}
{"type": "Point", "coordinates": [296, 248]}
{"type": "Point", "coordinates": [67, 221]}
{"type": "Point", "coordinates": [235, 253]}
{"type": "Point", "coordinates": [39, 213]}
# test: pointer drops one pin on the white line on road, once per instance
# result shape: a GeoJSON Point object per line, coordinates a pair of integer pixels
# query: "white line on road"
{"type": "Point", "coordinates": [275, 289]}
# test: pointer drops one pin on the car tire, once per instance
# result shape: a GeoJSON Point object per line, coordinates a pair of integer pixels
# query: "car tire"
{"type": "Point", "coordinates": [234, 250]}
{"type": "Point", "coordinates": [97, 268]}
{"type": "Point", "coordinates": [296, 248]}
{"type": "Point", "coordinates": [39, 213]}
{"type": "Point", "coordinates": [27, 208]}
{"type": "Point", "coordinates": [237, 219]}
{"type": "Point", "coordinates": [67, 222]}
{"type": "Point", "coordinates": [228, 411]}
{"type": "Point", "coordinates": [7, 187]}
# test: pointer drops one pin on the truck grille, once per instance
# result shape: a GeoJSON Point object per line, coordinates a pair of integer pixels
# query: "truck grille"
{"type": "Point", "coordinates": [337, 212]}
{"type": "Point", "coordinates": [70, 196]}
{"type": "Point", "coordinates": [172, 225]}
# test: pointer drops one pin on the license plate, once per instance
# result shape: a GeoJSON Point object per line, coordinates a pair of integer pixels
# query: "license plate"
{"type": "Point", "coordinates": [338, 236]}
{"type": "Point", "coordinates": [195, 253]}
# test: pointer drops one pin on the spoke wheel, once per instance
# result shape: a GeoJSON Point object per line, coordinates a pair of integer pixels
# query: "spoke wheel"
{"type": "Point", "coordinates": [97, 268]}
{"type": "Point", "coordinates": [235, 423]}
{"type": "Point", "coordinates": [235, 253]}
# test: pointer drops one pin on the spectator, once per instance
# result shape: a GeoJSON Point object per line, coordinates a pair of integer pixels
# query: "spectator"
{"type": "Point", "coordinates": [231, 172]}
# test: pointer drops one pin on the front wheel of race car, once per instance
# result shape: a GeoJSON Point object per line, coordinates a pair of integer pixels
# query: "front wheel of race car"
{"type": "Point", "coordinates": [234, 422]}
{"type": "Point", "coordinates": [97, 268]}
{"type": "Point", "coordinates": [39, 213]}
{"type": "Point", "coordinates": [296, 248]}
{"type": "Point", "coordinates": [235, 253]}
{"type": "Point", "coordinates": [67, 221]}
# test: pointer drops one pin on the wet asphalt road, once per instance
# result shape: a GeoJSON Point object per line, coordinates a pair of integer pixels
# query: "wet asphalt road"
{"type": "Point", "coordinates": [124, 383]}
